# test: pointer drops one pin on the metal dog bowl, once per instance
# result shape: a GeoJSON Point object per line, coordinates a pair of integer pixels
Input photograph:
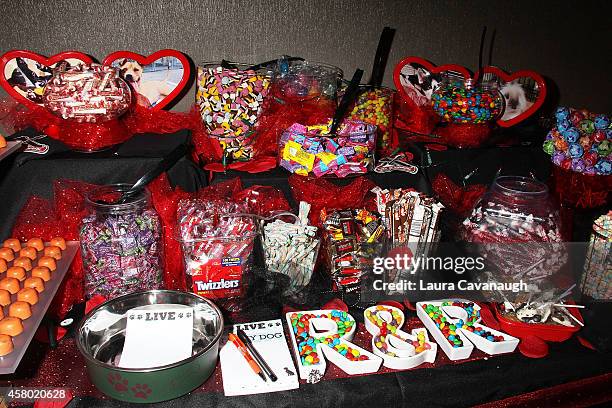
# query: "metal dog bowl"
{"type": "Point", "coordinates": [101, 336]}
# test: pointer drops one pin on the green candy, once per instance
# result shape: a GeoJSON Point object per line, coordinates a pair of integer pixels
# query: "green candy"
{"type": "Point", "coordinates": [604, 148]}
{"type": "Point", "coordinates": [549, 147]}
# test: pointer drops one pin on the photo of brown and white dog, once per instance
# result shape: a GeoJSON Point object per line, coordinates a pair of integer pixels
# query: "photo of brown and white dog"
{"type": "Point", "coordinates": [516, 99]}
{"type": "Point", "coordinates": [150, 86]}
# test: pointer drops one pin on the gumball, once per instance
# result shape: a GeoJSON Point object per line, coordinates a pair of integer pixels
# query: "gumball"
{"type": "Point", "coordinates": [585, 142]}
{"type": "Point", "coordinates": [598, 136]}
{"type": "Point", "coordinates": [550, 135]}
{"type": "Point", "coordinates": [562, 113]}
{"type": "Point", "coordinates": [608, 133]}
{"type": "Point", "coordinates": [561, 145]}
{"type": "Point", "coordinates": [575, 151]}
{"type": "Point", "coordinates": [558, 158]}
{"type": "Point", "coordinates": [604, 148]}
{"type": "Point", "coordinates": [587, 126]}
{"type": "Point", "coordinates": [571, 135]}
{"type": "Point", "coordinates": [603, 167]}
{"type": "Point", "coordinates": [590, 170]}
{"type": "Point", "coordinates": [566, 163]}
{"type": "Point", "coordinates": [549, 147]}
{"type": "Point", "coordinates": [576, 117]}
{"type": "Point", "coordinates": [601, 122]}
{"type": "Point", "coordinates": [578, 165]}
{"type": "Point", "coordinates": [590, 158]}
{"type": "Point", "coordinates": [563, 126]}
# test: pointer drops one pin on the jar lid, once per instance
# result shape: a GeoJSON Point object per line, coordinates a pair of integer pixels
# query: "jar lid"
{"type": "Point", "coordinates": [521, 186]}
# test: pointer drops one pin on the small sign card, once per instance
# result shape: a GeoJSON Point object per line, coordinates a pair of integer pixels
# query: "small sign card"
{"type": "Point", "coordinates": [157, 335]}
{"type": "Point", "coordinates": [268, 338]}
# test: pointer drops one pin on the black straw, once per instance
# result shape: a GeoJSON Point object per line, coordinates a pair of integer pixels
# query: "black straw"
{"type": "Point", "coordinates": [381, 57]}
{"type": "Point", "coordinates": [491, 47]}
{"type": "Point", "coordinates": [349, 96]}
{"type": "Point", "coordinates": [480, 51]}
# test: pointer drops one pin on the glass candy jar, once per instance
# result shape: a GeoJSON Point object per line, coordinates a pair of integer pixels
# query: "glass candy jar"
{"type": "Point", "coordinates": [121, 244]}
{"type": "Point", "coordinates": [516, 227]}
{"type": "Point", "coordinates": [515, 209]}
{"type": "Point", "coordinates": [460, 100]}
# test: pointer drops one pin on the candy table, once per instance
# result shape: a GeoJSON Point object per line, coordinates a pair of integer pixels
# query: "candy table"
{"type": "Point", "coordinates": [570, 375]}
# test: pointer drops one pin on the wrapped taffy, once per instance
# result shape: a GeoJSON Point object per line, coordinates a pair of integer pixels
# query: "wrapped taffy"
{"type": "Point", "coordinates": [87, 93]}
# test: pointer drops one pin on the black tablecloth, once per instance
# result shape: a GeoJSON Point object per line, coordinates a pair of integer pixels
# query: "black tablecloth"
{"type": "Point", "coordinates": [24, 174]}
{"type": "Point", "coordinates": [451, 385]}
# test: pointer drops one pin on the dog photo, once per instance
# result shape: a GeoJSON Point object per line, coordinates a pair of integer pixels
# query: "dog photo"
{"type": "Point", "coordinates": [419, 83]}
{"type": "Point", "coordinates": [519, 94]}
{"type": "Point", "coordinates": [29, 77]}
{"type": "Point", "coordinates": [153, 82]}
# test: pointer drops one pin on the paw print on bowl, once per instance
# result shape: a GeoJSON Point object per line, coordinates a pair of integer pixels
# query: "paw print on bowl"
{"type": "Point", "coordinates": [141, 391]}
{"type": "Point", "coordinates": [119, 383]}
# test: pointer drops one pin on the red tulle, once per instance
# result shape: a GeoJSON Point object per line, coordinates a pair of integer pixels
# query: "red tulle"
{"type": "Point", "coordinates": [413, 118]}
{"type": "Point", "coordinates": [458, 199]}
{"type": "Point", "coordinates": [579, 189]}
{"type": "Point", "coordinates": [62, 216]}
{"type": "Point", "coordinates": [464, 135]}
{"type": "Point", "coordinates": [321, 193]}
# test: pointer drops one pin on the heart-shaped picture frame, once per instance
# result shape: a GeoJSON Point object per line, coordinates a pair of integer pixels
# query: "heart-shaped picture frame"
{"type": "Point", "coordinates": [157, 80]}
{"type": "Point", "coordinates": [416, 78]}
{"type": "Point", "coordinates": [524, 93]}
{"type": "Point", "coordinates": [24, 74]}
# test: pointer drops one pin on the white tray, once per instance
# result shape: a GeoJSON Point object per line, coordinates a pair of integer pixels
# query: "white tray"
{"type": "Point", "coordinates": [9, 363]}
{"type": "Point", "coordinates": [11, 147]}
{"type": "Point", "coordinates": [470, 339]}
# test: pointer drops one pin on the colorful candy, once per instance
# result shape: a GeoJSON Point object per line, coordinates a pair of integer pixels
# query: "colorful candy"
{"type": "Point", "coordinates": [375, 106]}
{"type": "Point", "coordinates": [462, 101]}
{"type": "Point", "coordinates": [309, 150]}
{"type": "Point", "coordinates": [580, 142]}
{"type": "Point", "coordinates": [596, 278]}
{"type": "Point", "coordinates": [230, 101]}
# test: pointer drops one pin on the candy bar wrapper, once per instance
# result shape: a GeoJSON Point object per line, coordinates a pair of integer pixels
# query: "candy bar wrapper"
{"type": "Point", "coordinates": [352, 239]}
{"type": "Point", "coordinates": [308, 150]}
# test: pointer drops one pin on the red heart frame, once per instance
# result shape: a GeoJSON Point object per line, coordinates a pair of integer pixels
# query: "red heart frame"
{"type": "Point", "coordinates": [504, 76]}
{"type": "Point", "coordinates": [47, 61]}
{"type": "Point", "coordinates": [430, 67]}
{"type": "Point", "coordinates": [141, 59]}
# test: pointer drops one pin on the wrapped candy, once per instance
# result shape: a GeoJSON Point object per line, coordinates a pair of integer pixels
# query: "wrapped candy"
{"type": "Point", "coordinates": [87, 93]}
{"type": "Point", "coordinates": [121, 244]}
{"type": "Point", "coordinates": [291, 248]}
{"type": "Point", "coordinates": [353, 238]}
{"type": "Point", "coordinates": [308, 150]}
{"type": "Point", "coordinates": [217, 238]}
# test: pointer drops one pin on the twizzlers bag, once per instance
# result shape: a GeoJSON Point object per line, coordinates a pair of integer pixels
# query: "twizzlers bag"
{"type": "Point", "coordinates": [217, 239]}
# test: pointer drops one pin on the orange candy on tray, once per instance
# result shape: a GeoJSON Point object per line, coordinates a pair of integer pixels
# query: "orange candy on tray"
{"type": "Point", "coordinates": [6, 344]}
{"type": "Point", "coordinates": [24, 262]}
{"type": "Point", "coordinates": [54, 252]}
{"type": "Point", "coordinates": [29, 252]}
{"type": "Point", "coordinates": [5, 297]}
{"type": "Point", "coordinates": [28, 295]}
{"type": "Point", "coordinates": [9, 284]}
{"type": "Point", "coordinates": [34, 282]}
{"type": "Point", "coordinates": [3, 265]}
{"type": "Point", "coordinates": [42, 272]}
{"type": "Point", "coordinates": [48, 262]}
{"type": "Point", "coordinates": [20, 309]}
{"type": "Point", "coordinates": [7, 254]}
{"type": "Point", "coordinates": [16, 272]}
{"type": "Point", "coordinates": [59, 242]}
{"type": "Point", "coordinates": [12, 243]}
{"type": "Point", "coordinates": [36, 243]}
{"type": "Point", "coordinates": [11, 326]}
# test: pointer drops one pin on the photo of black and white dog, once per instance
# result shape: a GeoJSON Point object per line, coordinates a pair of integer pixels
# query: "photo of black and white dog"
{"type": "Point", "coordinates": [418, 83]}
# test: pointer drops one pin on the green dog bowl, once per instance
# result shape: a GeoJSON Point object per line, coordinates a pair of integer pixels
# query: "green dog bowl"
{"type": "Point", "coordinates": [102, 334]}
